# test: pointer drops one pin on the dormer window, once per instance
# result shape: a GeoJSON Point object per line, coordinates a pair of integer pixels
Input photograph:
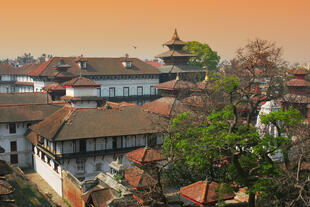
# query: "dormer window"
{"type": "Point", "coordinates": [82, 62]}
{"type": "Point", "coordinates": [127, 64]}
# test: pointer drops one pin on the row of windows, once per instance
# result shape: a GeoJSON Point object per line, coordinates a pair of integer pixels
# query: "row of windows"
{"type": "Point", "coordinates": [12, 126]}
{"type": "Point", "coordinates": [126, 91]}
{"type": "Point", "coordinates": [120, 77]}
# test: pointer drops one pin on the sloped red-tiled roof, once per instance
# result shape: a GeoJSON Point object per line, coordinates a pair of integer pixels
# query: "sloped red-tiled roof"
{"type": "Point", "coordinates": [95, 66]}
{"type": "Point", "coordinates": [138, 178]}
{"type": "Point", "coordinates": [298, 83]}
{"type": "Point", "coordinates": [175, 85]}
{"type": "Point", "coordinates": [53, 87]}
{"type": "Point", "coordinates": [145, 155]}
{"type": "Point", "coordinates": [40, 68]}
{"type": "Point", "coordinates": [155, 64]}
{"type": "Point", "coordinates": [99, 196]}
{"type": "Point", "coordinates": [165, 106]}
{"type": "Point", "coordinates": [299, 72]}
{"type": "Point", "coordinates": [79, 123]}
{"type": "Point", "coordinates": [80, 82]}
{"type": "Point", "coordinates": [203, 193]}
{"type": "Point", "coordinates": [24, 98]}
{"type": "Point", "coordinates": [27, 112]}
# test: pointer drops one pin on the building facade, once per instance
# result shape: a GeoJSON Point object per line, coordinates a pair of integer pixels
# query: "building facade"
{"type": "Point", "coordinates": [86, 135]}
{"type": "Point", "coordinates": [120, 79]}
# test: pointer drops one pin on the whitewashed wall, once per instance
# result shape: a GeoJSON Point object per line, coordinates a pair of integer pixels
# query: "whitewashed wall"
{"type": "Point", "coordinates": [79, 92]}
{"type": "Point", "coordinates": [131, 83]}
{"type": "Point", "coordinates": [47, 172]}
{"type": "Point", "coordinates": [38, 85]}
{"type": "Point", "coordinates": [24, 146]}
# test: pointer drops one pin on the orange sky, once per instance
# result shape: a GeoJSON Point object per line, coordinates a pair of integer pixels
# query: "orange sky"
{"type": "Point", "coordinates": [112, 27]}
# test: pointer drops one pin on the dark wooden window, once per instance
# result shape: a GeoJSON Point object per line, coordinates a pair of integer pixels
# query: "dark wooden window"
{"type": "Point", "coordinates": [114, 143]}
{"type": "Point", "coordinates": [82, 145]}
{"type": "Point", "coordinates": [14, 159]}
{"type": "Point", "coordinates": [126, 91]}
{"type": "Point", "coordinates": [111, 92]}
{"type": "Point", "coordinates": [13, 146]}
{"type": "Point", "coordinates": [152, 90]}
{"type": "Point", "coordinates": [28, 125]}
{"type": "Point", "coordinates": [140, 91]}
{"type": "Point", "coordinates": [48, 161]}
{"type": "Point", "coordinates": [12, 128]}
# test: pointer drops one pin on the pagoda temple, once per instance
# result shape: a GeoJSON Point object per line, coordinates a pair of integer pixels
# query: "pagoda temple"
{"type": "Point", "coordinates": [176, 60]}
{"type": "Point", "coordinates": [299, 95]}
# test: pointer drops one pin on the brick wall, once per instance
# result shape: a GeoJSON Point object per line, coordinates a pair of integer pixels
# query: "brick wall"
{"type": "Point", "coordinates": [72, 190]}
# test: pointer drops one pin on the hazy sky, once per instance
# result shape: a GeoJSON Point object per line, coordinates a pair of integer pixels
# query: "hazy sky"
{"type": "Point", "coordinates": [109, 28]}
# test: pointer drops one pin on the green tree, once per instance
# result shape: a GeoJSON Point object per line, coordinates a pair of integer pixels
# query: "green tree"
{"type": "Point", "coordinates": [206, 57]}
{"type": "Point", "coordinates": [228, 136]}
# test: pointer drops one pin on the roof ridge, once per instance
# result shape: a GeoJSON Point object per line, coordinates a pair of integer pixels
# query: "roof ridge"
{"type": "Point", "coordinates": [144, 153]}
{"type": "Point", "coordinates": [205, 191]}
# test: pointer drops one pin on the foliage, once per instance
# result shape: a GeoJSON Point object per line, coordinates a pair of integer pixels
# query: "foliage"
{"type": "Point", "coordinates": [227, 139]}
{"type": "Point", "coordinates": [206, 57]}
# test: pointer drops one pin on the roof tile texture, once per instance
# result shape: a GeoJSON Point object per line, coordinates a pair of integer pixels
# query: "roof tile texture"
{"type": "Point", "coordinates": [145, 155]}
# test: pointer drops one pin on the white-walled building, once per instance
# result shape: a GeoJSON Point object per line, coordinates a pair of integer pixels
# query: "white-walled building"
{"type": "Point", "coordinates": [14, 122]}
{"type": "Point", "coordinates": [16, 79]}
{"type": "Point", "coordinates": [84, 138]}
{"type": "Point", "coordinates": [129, 79]}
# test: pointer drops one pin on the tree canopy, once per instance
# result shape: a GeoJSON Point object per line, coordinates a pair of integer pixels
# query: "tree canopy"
{"type": "Point", "coordinates": [227, 145]}
{"type": "Point", "coordinates": [206, 57]}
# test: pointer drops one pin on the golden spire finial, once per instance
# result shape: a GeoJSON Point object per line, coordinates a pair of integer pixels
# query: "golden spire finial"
{"type": "Point", "coordinates": [178, 77]}
{"type": "Point", "coordinates": [175, 35]}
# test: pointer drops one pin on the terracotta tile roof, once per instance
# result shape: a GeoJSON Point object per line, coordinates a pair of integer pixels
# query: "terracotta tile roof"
{"type": "Point", "coordinates": [6, 69]}
{"type": "Point", "coordinates": [40, 68]}
{"type": "Point", "coordinates": [145, 155]}
{"type": "Point", "coordinates": [95, 66]}
{"type": "Point", "coordinates": [77, 123]}
{"type": "Point", "coordinates": [26, 113]}
{"type": "Point", "coordinates": [53, 87]}
{"type": "Point", "coordinates": [298, 83]}
{"type": "Point", "coordinates": [175, 85]}
{"type": "Point", "coordinates": [138, 178]}
{"type": "Point", "coordinates": [299, 72]}
{"type": "Point", "coordinates": [5, 187]}
{"type": "Point", "coordinates": [24, 98]}
{"type": "Point", "coordinates": [24, 83]}
{"type": "Point", "coordinates": [99, 196]}
{"type": "Point", "coordinates": [165, 106]}
{"type": "Point", "coordinates": [203, 193]}
{"type": "Point", "coordinates": [155, 64]}
{"type": "Point", "coordinates": [175, 53]}
{"type": "Point", "coordinates": [80, 82]}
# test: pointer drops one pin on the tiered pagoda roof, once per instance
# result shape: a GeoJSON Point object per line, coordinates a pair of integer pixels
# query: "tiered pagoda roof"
{"type": "Point", "coordinates": [203, 193]}
{"type": "Point", "coordinates": [175, 54]}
